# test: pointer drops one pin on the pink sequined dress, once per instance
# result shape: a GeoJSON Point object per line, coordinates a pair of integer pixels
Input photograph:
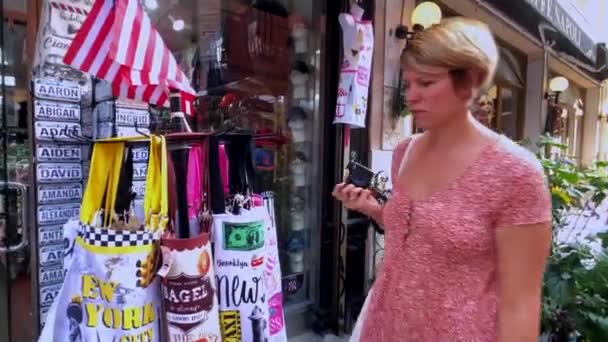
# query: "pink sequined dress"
{"type": "Point", "coordinates": [439, 278]}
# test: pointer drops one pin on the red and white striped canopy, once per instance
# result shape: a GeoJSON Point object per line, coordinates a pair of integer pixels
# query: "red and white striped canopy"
{"type": "Point", "coordinates": [118, 43]}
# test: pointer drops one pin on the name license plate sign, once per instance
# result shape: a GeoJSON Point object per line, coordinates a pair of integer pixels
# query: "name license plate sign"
{"type": "Point", "coordinates": [48, 235]}
{"type": "Point", "coordinates": [57, 131]}
{"type": "Point", "coordinates": [48, 294]}
{"type": "Point", "coordinates": [139, 188]}
{"type": "Point", "coordinates": [58, 111]}
{"type": "Point", "coordinates": [57, 213]}
{"type": "Point", "coordinates": [58, 173]}
{"type": "Point", "coordinates": [57, 90]}
{"type": "Point", "coordinates": [130, 131]}
{"type": "Point", "coordinates": [51, 275]}
{"type": "Point", "coordinates": [58, 153]}
{"type": "Point", "coordinates": [59, 193]}
{"type": "Point", "coordinates": [131, 116]}
{"type": "Point", "coordinates": [51, 255]}
{"type": "Point", "coordinates": [140, 154]}
{"type": "Point", "coordinates": [139, 171]}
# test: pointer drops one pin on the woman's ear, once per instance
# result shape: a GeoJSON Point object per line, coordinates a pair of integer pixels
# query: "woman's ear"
{"type": "Point", "coordinates": [476, 80]}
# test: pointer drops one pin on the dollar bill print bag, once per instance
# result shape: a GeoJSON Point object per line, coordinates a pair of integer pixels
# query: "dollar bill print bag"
{"type": "Point", "coordinates": [240, 259]}
{"type": "Point", "coordinates": [110, 292]}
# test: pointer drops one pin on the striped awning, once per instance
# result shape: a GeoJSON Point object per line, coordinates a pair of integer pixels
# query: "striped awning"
{"type": "Point", "coordinates": [118, 43]}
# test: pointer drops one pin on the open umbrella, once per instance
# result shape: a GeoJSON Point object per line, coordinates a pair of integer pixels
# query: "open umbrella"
{"type": "Point", "coordinates": [118, 43]}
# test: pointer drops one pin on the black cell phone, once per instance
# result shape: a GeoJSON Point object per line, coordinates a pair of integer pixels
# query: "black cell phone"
{"type": "Point", "coordinates": [359, 175]}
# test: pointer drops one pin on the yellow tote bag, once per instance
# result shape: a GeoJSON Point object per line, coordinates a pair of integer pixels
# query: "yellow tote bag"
{"type": "Point", "coordinates": [110, 292]}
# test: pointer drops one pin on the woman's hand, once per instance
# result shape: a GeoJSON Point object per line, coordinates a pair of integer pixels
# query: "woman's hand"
{"type": "Point", "coordinates": [358, 199]}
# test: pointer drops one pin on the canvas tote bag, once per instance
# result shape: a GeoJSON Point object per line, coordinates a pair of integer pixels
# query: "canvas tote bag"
{"type": "Point", "coordinates": [110, 292]}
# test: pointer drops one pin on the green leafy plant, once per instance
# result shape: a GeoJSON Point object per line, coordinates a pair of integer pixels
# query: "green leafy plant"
{"type": "Point", "coordinates": [575, 287]}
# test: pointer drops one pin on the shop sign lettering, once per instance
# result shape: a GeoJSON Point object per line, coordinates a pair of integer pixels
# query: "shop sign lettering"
{"type": "Point", "coordinates": [559, 17]}
{"type": "Point", "coordinates": [57, 213]}
{"type": "Point", "coordinates": [56, 111]}
{"type": "Point", "coordinates": [140, 154]}
{"type": "Point", "coordinates": [55, 173]}
{"type": "Point", "coordinates": [58, 153]}
{"type": "Point", "coordinates": [57, 90]}
{"type": "Point", "coordinates": [50, 234]}
{"type": "Point", "coordinates": [51, 275]}
{"type": "Point", "coordinates": [140, 170]}
{"type": "Point", "coordinates": [57, 131]}
{"type": "Point", "coordinates": [132, 117]}
{"type": "Point", "coordinates": [51, 255]}
{"type": "Point", "coordinates": [60, 193]}
{"type": "Point", "coordinates": [49, 293]}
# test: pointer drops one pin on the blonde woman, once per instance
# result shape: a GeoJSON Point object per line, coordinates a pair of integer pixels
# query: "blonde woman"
{"type": "Point", "coordinates": [468, 227]}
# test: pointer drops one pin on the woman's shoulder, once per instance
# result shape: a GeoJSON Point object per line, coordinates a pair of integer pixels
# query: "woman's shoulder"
{"type": "Point", "coordinates": [514, 160]}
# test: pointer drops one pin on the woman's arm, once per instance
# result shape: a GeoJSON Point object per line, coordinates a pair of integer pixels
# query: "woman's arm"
{"type": "Point", "coordinates": [522, 252]}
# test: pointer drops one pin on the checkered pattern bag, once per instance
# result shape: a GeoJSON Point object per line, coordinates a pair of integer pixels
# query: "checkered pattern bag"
{"type": "Point", "coordinates": [110, 291]}
{"type": "Point", "coordinates": [105, 237]}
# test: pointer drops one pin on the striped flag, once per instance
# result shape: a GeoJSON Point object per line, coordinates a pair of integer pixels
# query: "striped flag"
{"type": "Point", "coordinates": [118, 43]}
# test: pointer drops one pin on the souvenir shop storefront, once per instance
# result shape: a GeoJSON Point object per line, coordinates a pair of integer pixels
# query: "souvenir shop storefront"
{"type": "Point", "coordinates": [217, 108]}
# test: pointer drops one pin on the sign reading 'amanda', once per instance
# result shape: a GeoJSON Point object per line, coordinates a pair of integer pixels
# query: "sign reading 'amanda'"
{"type": "Point", "coordinates": [59, 193]}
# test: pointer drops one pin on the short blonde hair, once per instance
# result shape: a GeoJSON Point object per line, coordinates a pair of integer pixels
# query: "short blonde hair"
{"type": "Point", "coordinates": [458, 44]}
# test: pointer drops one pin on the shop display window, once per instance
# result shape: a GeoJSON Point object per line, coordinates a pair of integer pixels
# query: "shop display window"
{"type": "Point", "coordinates": [256, 66]}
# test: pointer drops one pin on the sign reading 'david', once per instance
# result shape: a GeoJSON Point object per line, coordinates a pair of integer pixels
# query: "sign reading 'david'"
{"type": "Point", "coordinates": [58, 153]}
{"type": "Point", "coordinates": [60, 193]}
{"type": "Point", "coordinates": [57, 131]}
{"type": "Point", "coordinates": [48, 235]}
{"type": "Point", "coordinates": [52, 89]}
{"type": "Point", "coordinates": [57, 213]}
{"type": "Point", "coordinates": [58, 173]}
{"type": "Point", "coordinates": [59, 111]}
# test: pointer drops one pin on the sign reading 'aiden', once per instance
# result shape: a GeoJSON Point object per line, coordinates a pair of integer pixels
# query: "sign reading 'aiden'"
{"type": "Point", "coordinates": [58, 153]}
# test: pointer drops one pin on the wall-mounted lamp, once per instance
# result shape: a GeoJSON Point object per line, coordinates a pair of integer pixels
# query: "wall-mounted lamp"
{"type": "Point", "coordinates": [424, 15]}
{"type": "Point", "coordinates": [178, 24]}
{"type": "Point", "coordinates": [557, 85]}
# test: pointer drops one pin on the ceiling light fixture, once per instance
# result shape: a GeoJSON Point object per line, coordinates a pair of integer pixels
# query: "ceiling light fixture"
{"type": "Point", "coordinates": [178, 24]}
{"type": "Point", "coordinates": [151, 4]}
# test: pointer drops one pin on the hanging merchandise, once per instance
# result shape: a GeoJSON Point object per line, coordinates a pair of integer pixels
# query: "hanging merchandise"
{"type": "Point", "coordinates": [188, 273]}
{"type": "Point", "coordinates": [240, 256]}
{"type": "Point", "coordinates": [110, 291]}
{"type": "Point", "coordinates": [239, 236]}
{"type": "Point", "coordinates": [272, 276]}
{"type": "Point", "coordinates": [118, 43]}
{"type": "Point", "coordinates": [353, 90]}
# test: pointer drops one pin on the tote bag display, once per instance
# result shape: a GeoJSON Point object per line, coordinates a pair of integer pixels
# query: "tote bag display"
{"type": "Point", "coordinates": [110, 291]}
{"type": "Point", "coordinates": [240, 256]}
{"type": "Point", "coordinates": [187, 274]}
{"type": "Point", "coordinates": [272, 276]}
